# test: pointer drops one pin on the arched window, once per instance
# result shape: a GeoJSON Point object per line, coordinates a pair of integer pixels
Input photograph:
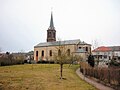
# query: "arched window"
{"type": "Point", "coordinates": [36, 53]}
{"type": "Point", "coordinates": [68, 52]}
{"type": "Point", "coordinates": [49, 34]}
{"type": "Point", "coordinates": [86, 48]}
{"type": "Point", "coordinates": [59, 52]}
{"type": "Point", "coordinates": [42, 53]}
{"type": "Point", "coordinates": [50, 52]}
{"type": "Point", "coordinates": [90, 50]}
{"type": "Point", "coordinates": [54, 34]}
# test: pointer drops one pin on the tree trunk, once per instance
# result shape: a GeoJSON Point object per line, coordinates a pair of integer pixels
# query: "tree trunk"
{"type": "Point", "coordinates": [61, 69]}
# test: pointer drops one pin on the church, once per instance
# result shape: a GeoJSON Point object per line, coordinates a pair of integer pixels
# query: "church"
{"type": "Point", "coordinates": [45, 50]}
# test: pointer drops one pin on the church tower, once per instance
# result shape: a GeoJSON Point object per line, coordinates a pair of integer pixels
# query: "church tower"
{"type": "Point", "coordinates": [51, 32]}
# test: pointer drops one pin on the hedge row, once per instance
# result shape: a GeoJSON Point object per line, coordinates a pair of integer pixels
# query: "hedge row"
{"type": "Point", "coordinates": [108, 76]}
{"type": "Point", "coordinates": [5, 61]}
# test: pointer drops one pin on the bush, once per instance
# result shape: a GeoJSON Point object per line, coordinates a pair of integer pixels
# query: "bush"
{"type": "Point", "coordinates": [45, 62]}
{"type": "Point", "coordinates": [9, 60]}
{"type": "Point", "coordinates": [114, 63]}
{"type": "Point", "coordinates": [91, 61]}
{"type": "Point", "coordinates": [106, 75]}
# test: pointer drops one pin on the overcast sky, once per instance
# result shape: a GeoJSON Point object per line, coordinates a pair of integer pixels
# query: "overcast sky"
{"type": "Point", "coordinates": [24, 23]}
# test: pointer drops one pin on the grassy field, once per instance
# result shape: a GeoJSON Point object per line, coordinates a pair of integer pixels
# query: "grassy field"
{"type": "Point", "coordinates": [41, 77]}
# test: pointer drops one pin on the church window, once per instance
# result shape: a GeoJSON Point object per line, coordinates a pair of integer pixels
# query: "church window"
{"type": "Point", "coordinates": [68, 52]}
{"type": "Point", "coordinates": [54, 34]}
{"type": "Point", "coordinates": [42, 53]}
{"type": "Point", "coordinates": [49, 34]}
{"type": "Point", "coordinates": [86, 48]}
{"type": "Point", "coordinates": [59, 52]}
{"type": "Point", "coordinates": [50, 52]}
{"type": "Point", "coordinates": [36, 53]}
{"type": "Point", "coordinates": [90, 49]}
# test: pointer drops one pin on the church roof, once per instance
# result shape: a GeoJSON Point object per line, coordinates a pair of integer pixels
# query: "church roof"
{"type": "Point", "coordinates": [80, 51]}
{"type": "Point", "coordinates": [57, 43]}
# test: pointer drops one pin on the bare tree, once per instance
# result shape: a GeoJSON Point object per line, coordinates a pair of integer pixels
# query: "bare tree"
{"type": "Point", "coordinates": [62, 56]}
{"type": "Point", "coordinates": [75, 59]}
{"type": "Point", "coordinates": [95, 44]}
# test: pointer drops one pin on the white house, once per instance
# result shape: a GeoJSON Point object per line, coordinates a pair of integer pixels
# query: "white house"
{"type": "Point", "coordinates": [106, 54]}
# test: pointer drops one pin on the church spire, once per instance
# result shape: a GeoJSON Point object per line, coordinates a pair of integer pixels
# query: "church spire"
{"type": "Point", "coordinates": [51, 22]}
{"type": "Point", "coordinates": [51, 32]}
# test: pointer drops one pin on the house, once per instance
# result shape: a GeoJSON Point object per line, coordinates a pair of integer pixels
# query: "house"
{"type": "Point", "coordinates": [106, 53]}
{"type": "Point", "coordinates": [115, 50]}
{"type": "Point", "coordinates": [102, 53]}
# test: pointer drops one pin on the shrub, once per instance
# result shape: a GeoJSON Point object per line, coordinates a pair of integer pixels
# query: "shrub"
{"type": "Point", "coordinates": [45, 62]}
{"type": "Point", "coordinates": [9, 60]}
{"type": "Point", "coordinates": [91, 61]}
{"type": "Point", "coordinates": [114, 63]}
{"type": "Point", "coordinates": [107, 75]}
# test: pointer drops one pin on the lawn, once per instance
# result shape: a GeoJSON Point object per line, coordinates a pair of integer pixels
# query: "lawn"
{"type": "Point", "coordinates": [41, 77]}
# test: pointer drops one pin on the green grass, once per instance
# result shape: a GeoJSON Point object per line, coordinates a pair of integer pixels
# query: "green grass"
{"type": "Point", "coordinates": [41, 77]}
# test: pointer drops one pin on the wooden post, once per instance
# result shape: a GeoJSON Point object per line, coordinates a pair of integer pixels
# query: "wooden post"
{"type": "Point", "coordinates": [61, 68]}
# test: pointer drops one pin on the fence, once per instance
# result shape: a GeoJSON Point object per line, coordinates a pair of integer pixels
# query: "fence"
{"type": "Point", "coordinates": [107, 76]}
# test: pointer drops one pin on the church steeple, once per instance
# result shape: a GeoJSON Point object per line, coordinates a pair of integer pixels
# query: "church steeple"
{"type": "Point", "coordinates": [51, 22]}
{"type": "Point", "coordinates": [51, 32]}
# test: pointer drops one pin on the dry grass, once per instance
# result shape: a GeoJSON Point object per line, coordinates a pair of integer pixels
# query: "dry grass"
{"type": "Point", "coordinates": [41, 77]}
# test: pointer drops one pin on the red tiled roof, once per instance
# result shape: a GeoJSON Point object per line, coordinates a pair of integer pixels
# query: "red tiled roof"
{"type": "Point", "coordinates": [102, 49]}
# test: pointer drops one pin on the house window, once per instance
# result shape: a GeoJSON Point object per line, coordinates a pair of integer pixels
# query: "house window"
{"type": "Point", "coordinates": [50, 52]}
{"type": "Point", "coordinates": [36, 53]}
{"type": "Point", "coordinates": [105, 53]}
{"type": "Point", "coordinates": [105, 56]}
{"type": "Point", "coordinates": [100, 56]}
{"type": "Point", "coordinates": [42, 53]}
{"type": "Point", "coordinates": [68, 52]}
{"type": "Point", "coordinates": [59, 52]}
